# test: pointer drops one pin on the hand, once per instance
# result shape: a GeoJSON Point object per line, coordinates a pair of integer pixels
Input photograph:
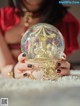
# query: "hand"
{"type": "Point", "coordinates": [23, 68]}
{"type": "Point", "coordinates": [63, 68]}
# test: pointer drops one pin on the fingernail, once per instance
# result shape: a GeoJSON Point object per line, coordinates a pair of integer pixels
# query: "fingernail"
{"type": "Point", "coordinates": [29, 65]}
{"type": "Point", "coordinates": [24, 54]}
{"type": "Point", "coordinates": [58, 64]}
{"type": "Point", "coordinates": [25, 74]}
{"type": "Point", "coordinates": [58, 71]}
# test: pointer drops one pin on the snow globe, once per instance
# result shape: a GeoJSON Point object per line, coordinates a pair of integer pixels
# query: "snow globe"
{"type": "Point", "coordinates": [44, 47]}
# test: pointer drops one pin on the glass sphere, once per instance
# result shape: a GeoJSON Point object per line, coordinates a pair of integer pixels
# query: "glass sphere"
{"type": "Point", "coordinates": [44, 47]}
{"type": "Point", "coordinates": [42, 41]}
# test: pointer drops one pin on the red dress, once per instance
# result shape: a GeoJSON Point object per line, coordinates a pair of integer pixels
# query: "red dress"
{"type": "Point", "coordinates": [69, 27]}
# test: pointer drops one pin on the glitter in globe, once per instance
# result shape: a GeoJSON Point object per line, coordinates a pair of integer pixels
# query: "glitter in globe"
{"type": "Point", "coordinates": [44, 46]}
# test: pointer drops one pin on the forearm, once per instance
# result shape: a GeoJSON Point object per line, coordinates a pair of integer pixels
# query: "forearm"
{"type": "Point", "coordinates": [5, 54]}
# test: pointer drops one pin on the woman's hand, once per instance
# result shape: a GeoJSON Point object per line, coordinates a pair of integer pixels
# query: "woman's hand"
{"type": "Point", "coordinates": [63, 68]}
{"type": "Point", "coordinates": [23, 68]}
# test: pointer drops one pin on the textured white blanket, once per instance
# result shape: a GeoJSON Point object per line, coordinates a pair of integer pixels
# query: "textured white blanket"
{"type": "Point", "coordinates": [24, 92]}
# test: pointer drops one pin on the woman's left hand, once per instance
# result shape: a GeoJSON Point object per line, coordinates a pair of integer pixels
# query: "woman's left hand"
{"type": "Point", "coordinates": [63, 68]}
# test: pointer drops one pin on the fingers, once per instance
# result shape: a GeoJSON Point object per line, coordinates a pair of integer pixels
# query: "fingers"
{"type": "Point", "coordinates": [25, 66]}
{"type": "Point", "coordinates": [22, 70]}
{"type": "Point", "coordinates": [63, 72]}
{"type": "Point", "coordinates": [63, 57]}
{"type": "Point", "coordinates": [63, 64]}
{"type": "Point", "coordinates": [23, 74]}
{"type": "Point", "coordinates": [22, 57]}
{"type": "Point", "coordinates": [63, 68]}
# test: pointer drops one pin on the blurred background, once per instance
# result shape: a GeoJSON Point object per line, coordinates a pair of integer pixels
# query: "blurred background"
{"type": "Point", "coordinates": [74, 58]}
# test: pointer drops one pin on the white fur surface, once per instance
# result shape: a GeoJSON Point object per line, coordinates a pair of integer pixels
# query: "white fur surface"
{"type": "Point", "coordinates": [27, 84]}
{"type": "Point", "coordinates": [24, 92]}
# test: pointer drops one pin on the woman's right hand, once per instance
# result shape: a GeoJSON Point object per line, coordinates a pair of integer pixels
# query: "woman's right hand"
{"type": "Point", "coordinates": [23, 68]}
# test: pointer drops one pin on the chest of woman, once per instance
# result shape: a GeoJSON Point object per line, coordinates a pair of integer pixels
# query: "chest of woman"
{"type": "Point", "coordinates": [14, 35]}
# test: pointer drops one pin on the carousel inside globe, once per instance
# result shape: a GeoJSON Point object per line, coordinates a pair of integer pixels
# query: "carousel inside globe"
{"type": "Point", "coordinates": [44, 47]}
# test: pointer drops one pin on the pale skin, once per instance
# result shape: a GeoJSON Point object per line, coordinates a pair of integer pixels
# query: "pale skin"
{"type": "Point", "coordinates": [13, 36]}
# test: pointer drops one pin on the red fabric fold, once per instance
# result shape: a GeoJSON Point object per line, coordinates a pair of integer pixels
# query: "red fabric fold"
{"type": "Point", "coordinates": [8, 18]}
{"type": "Point", "coordinates": [70, 29]}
